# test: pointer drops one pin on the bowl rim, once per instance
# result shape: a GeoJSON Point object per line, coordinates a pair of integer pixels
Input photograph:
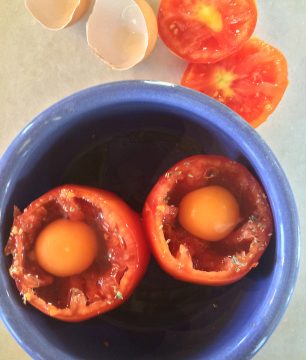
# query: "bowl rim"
{"type": "Point", "coordinates": [200, 106]}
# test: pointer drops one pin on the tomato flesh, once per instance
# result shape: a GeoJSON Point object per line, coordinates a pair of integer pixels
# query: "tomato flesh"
{"type": "Point", "coordinates": [251, 82]}
{"type": "Point", "coordinates": [120, 263]}
{"type": "Point", "coordinates": [206, 31]}
{"type": "Point", "coordinates": [186, 257]}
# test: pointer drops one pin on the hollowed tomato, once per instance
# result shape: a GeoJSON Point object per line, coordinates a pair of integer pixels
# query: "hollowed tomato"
{"type": "Point", "coordinates": [206, 31]}
{"type": "Point", "coordinates": [189, 258]}
{"type": "Point", "coordinates": [121, 254]}
{"type": "Point", "coordinates": [251, 82]}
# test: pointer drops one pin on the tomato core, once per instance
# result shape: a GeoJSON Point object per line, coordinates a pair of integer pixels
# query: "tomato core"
{"type": "Point", "coordinates": [66, 247]}
{"type": "Point", "coordinates": [210, 16]}
{"type": "Point", "coordinates": [224, 80]}
{"type": "Point", "coordinates": [210, 213]}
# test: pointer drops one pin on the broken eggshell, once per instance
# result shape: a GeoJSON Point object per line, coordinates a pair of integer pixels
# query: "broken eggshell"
{"type": "Point", "coordinates": [57, 14]}
{"type": "Point", "coordinates": [122, 33]}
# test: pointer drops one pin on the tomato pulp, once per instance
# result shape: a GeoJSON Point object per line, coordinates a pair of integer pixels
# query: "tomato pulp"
{"type": "Point", "coordinates": [251, 82]}
{"type": "Point", "coordinates": [206, 31]}
{"type": "Point", "coordinates": [121, 255]}
{"type": "Point", "coordinates": [189, 258]}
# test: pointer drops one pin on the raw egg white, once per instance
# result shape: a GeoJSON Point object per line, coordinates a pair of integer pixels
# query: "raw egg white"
{"type": "Point", "coordinates": [57, 14]}
{"type": "Point", "coordinates": [66, 247]}
{"type": "Point", "coordinates": [122, 32]}
{"type": "Point", "coordinates": [210, 213]}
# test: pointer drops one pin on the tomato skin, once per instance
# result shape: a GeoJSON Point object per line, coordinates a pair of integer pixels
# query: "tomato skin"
{"type": "Point", "coordinates": [85, 301]}
{"type": "Point", "coordinates": [206, 31]}
{"type": "Point", "coordinates": [231, 258]}
{"type": "Point", "coordinates": [251, 82]}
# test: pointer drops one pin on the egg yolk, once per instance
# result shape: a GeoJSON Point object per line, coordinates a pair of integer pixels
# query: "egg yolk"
{"type": "Point", "coordinates": [66, 247]}
{"type": "Point", "coordinates": [210, 213]}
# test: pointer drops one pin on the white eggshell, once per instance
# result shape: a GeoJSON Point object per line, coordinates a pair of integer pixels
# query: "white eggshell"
{"type": "Point", "coordinates": [57, 14]}
{"type": "Point", "coordinates": [122, 32]}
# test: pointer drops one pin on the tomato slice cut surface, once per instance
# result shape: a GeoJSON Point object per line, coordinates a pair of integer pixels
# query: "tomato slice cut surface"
{"type": "Point", "coordinates": [121, 257]}
{"type": "Point", "coordinates": [251, 82]}
{"type": "Point", "coordinates": [189, 258]}
{"type": "Point", "coordinates": [206, 31]}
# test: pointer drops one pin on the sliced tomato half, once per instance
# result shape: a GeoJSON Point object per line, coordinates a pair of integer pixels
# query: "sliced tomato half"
{"type": "Point", "coordinates": [251, 82]}
{"type": "Point", "coordinates": [120, 263]}
{"type": "Point", "coordinates": [206, 31]}
{"type": "Point", "coordinates": [188, 258]}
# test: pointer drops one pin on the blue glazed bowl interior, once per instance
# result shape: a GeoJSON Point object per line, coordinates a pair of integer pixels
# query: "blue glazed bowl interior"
{"type": "Point", "coordinates": [122, 137]}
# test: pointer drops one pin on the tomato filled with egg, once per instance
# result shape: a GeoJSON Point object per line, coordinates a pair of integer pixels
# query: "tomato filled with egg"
{"type": "Point", "coordinates": [208, 220]}
{"type": "Point", "coordinates": [77, 252]}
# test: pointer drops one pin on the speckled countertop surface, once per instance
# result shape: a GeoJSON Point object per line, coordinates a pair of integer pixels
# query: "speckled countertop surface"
{"type": "Point", "coordinates": [38, 67]}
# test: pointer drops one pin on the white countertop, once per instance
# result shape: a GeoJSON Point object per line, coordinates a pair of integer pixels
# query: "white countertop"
{"type": "Point", "coordinates": [39, 67]}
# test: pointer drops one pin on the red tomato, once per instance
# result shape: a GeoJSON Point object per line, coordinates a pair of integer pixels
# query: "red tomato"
{"type": "Point", "coordinates": [206, 31]}
{"type": "Point", "coordinates": [116, 242]}
{"type": "Point", "coordinates": [189, 258]}
{"type": "Point", "coordinates": [250, 82]}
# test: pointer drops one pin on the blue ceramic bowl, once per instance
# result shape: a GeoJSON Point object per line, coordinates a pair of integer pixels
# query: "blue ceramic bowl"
{"type": "Point", "coordinates": [121, 137]}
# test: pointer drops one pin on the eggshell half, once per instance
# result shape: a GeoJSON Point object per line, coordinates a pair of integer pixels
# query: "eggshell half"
{"type": "Point", "coordinates": [57, 14]}
{"type": "Point", "coordinates": [122, 32]}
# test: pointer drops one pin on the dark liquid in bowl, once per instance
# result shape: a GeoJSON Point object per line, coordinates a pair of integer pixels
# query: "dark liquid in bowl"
{"type": "Point", "coordinates": [130, 164]}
